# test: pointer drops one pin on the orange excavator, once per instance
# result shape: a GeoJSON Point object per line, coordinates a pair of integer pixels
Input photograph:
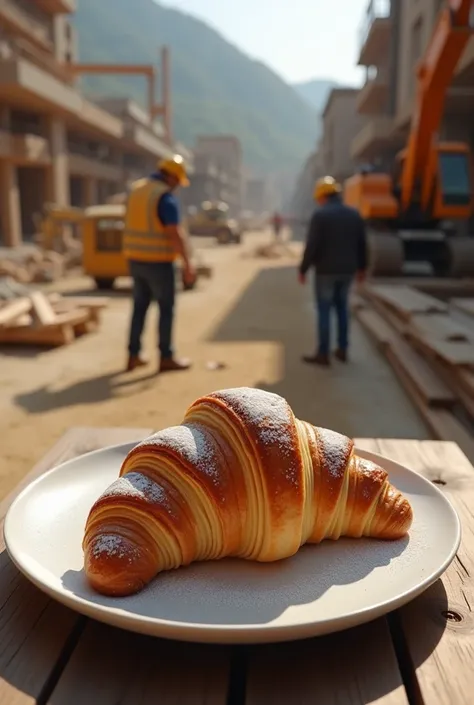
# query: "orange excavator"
{"type": "Point", "coordinates": [414, 216]}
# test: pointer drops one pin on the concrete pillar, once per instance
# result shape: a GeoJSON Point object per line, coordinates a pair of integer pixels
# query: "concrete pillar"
{"type": "Point", "coordinates": [91, 194]}
{"type": "Point", "coordinates": [10, 212]}
{"type": "Point", "coordinates": [60, 38]}
{"type": "Point", "coordinates": [58, 189]}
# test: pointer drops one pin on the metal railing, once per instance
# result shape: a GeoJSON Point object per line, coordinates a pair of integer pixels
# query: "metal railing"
{"type": "Point", "coordinates": [376, 9]}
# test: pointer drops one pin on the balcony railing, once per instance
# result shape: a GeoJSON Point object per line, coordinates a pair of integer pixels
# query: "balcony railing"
{"type": "Point", "coordinates": [377, 9]}
{"type": "Point", "coordinates": [24, 149]}
{"type": "Point", "coordinates": [18, 20]}
{"type": "Point", "coordinates": [24, 49]}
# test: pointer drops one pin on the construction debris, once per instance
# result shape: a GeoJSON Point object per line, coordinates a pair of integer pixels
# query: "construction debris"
{"type": "Point", "coordinates": [33, 265]}
{"type": "Point", "coordinates": [272, 250]}
{"type": "Point", "coordinates": [34, 318]}
{"type": "Point", "coordinates": [431, 349]}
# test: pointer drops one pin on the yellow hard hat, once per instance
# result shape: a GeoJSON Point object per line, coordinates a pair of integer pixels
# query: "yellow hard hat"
{"type": "Point", "coordinates": [327, 186]}
{"type": "Point", "coordinates": [175, 166]}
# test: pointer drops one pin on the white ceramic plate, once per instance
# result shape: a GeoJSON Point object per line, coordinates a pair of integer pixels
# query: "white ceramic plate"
{"type": "Point", "coordinates": [322, 589]}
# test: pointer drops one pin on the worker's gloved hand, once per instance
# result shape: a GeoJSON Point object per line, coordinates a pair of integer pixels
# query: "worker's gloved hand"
{"type": "Point", "coordinates": [302, 278]}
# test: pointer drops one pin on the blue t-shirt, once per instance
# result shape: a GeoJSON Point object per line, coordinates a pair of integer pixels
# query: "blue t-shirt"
{"type": "Point", "coordinates": [167, 207]}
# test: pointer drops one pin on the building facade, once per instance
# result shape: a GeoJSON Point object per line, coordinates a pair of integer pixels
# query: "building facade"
{"type": "Point", "coordinates": [394, 37]}
{"type": "Point", "coordinates": [341, 122]}
{"type": "Point", "coordinates": [56, 145]}
{"type": "Point", "coordinates": [224, 152]}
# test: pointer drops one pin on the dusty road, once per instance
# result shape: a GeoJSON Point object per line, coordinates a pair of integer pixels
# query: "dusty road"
{"type": "Point", "coordinates": [251, 316]}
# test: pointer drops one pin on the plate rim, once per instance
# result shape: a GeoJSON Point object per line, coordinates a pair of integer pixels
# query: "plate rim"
{"type": "Point", "coordinates": [228, 633]}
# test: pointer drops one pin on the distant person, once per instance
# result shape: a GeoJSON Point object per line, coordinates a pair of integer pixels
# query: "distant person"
{"type": "Point", "coordinates": [336, 247]}
{"type": "Point", "coordinates": [277, 223]}
{"type": "Point", "coordinates": [152, 242]}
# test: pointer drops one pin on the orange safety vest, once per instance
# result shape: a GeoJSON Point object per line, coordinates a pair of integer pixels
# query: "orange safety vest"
{"type": "Point", "coordinates": [144, 237]}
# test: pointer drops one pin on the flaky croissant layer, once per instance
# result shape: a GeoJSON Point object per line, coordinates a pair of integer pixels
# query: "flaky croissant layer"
{"type": "Point", "coordinates": [241, 477]}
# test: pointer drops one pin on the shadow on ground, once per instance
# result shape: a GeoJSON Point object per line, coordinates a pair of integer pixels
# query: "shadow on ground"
{"type": "Point", "coordinates": [362, 398]}
{"type": "Point", "coordinates": [88, 391]}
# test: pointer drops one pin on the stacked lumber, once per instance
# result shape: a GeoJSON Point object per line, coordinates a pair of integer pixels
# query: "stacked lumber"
{"type": "Point", "coordinates": [34, 265]}
{"type": "Point", "coordinates": [34, 318]}
{"type": "Point", "coordinates": [431, 351]}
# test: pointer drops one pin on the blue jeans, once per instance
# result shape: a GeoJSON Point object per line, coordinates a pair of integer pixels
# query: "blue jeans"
{"type": "Point", "coordinates": [152, 281]}
{"type": "Point", "coordinates": [332, 290]}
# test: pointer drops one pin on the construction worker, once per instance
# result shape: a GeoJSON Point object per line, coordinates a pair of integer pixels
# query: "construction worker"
{"type": "Point", "coordinates": [336, 248]}
{"type": "Point", "coordinates": [152, 242]}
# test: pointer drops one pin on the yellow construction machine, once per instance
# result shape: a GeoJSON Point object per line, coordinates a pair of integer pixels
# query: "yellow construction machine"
{"type": "Point", "coordinates": [100, 235]}
{"type": "Point", "coordinates": [212, 220]}
{"type": "Point", "coordinates": [415, 214]}
{"type": "Point", "coordinates": [103, 258]}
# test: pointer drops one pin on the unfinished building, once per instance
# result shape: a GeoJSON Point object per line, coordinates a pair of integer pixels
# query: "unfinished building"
{"type": "Point", "coordinates": [394, 37]}
{"type": "Point", "coordinates": [55, 145]}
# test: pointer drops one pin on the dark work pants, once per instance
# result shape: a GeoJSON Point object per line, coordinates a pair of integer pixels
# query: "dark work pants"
{"type": "Point", "coordinates": [152, 281]}
{"type": "Point", "coordinates": [332, 291]}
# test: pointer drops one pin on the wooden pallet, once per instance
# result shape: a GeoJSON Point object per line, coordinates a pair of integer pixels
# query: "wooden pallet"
{"type": "Point", "coordinates": [51, 320]}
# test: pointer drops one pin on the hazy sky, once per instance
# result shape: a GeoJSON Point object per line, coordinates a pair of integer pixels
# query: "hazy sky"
{"type": "Point", "coordinates": [300, 39]}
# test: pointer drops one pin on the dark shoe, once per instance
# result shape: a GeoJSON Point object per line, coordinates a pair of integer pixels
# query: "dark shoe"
{"type": "Point", "coordinates": [170, 364]}
{"type": "Point", "coordinates": [341, 355]}
{"type": "Point", "coordinates": [319, 359]}
{"type": "Point", "coordinates": [135, 361]}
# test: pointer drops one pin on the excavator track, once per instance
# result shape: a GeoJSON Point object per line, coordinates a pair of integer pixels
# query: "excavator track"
{"type": "Point", "coordinates": [386, 254]}
{"type": "Point", "coordinates": [460, 256]}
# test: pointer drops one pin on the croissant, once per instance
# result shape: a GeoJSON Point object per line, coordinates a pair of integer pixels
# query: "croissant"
{"type": "Point", "coordinates": [241, 477]}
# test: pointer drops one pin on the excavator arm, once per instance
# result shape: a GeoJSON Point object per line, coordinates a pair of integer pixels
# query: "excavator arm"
{"type": "Point", "coordinates": [450, 37]}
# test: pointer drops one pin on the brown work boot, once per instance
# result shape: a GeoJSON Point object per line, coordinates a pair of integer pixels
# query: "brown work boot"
{"type": "Point", "coordinates": [135, 361]}
{"type": "Point", "coordinates": [318, 359]}
{"type": "Point", "coordinates": [341, 355]}
{"type": "Point", "coordinates": [171, 364]}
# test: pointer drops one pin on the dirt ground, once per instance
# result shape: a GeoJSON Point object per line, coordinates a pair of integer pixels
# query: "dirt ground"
{"type": "Point", "coordinates": [252, 318]}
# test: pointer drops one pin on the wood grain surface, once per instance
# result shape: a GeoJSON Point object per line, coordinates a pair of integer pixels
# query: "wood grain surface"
{"type": "Point", "coordinates": [419, 655]}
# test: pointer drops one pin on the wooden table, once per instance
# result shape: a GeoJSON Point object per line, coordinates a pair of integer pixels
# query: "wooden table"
{"type": "Point", "coordinates": [422, 654]}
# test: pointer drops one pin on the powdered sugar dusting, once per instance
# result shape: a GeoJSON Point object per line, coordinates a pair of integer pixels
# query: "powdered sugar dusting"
{"type": "Point", "coordinates": [373, 474]}
{"type": "Point", "coordinates": [112, 545]}
{"type": "Point", "coordinates": [265, 410]}
{"type": "Point", "coordinates": [335, 449]}
{"type": "Point", "coordinates": [135, 484]}
{"type": "Point", "coordinates": [195, 445]}
{"type": "Point", "coordinates": [269, 416]}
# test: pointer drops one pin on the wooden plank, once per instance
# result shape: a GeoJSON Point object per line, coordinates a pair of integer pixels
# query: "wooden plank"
{"type": "Point", "coordinates": [381, 332]}
{"type": "Point", "coordinates": [405, 301]}
{"type": "Point", "coordinates": [42, 309]}
{"type": "Point", "coordinates": [441, 327]}
{"type": "Point", "coordinates": [456, 354]}
{"type": "Point", "coordinates": [431, 388]}
{"type": "Point", "coordinates": [442, 424]}
{"type": "Point", "coordinates": [446, 427]}
{"type": "Point", "coordinates": [50, 336]}
{"type": "Point", "coordinates": [355, 667]}
{"type": "Point", "coordinates": [130, 669]}
{"type": "Point", "coordinates": [14, 309]}
{"type": "Point", "coordinates": [36, 633]}
{"type": "Point", "coordinates": [438, 626]}
{"type": "Point", "coordinates": [464, 305]}
{"type": "Point", "coordinates": [86, 301]}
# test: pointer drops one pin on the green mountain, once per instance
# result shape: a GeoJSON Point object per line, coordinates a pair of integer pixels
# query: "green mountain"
{"type": "Point", "coordinates": [216, 88]}
{"type": "Point", "coordinates": [316, 92]}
